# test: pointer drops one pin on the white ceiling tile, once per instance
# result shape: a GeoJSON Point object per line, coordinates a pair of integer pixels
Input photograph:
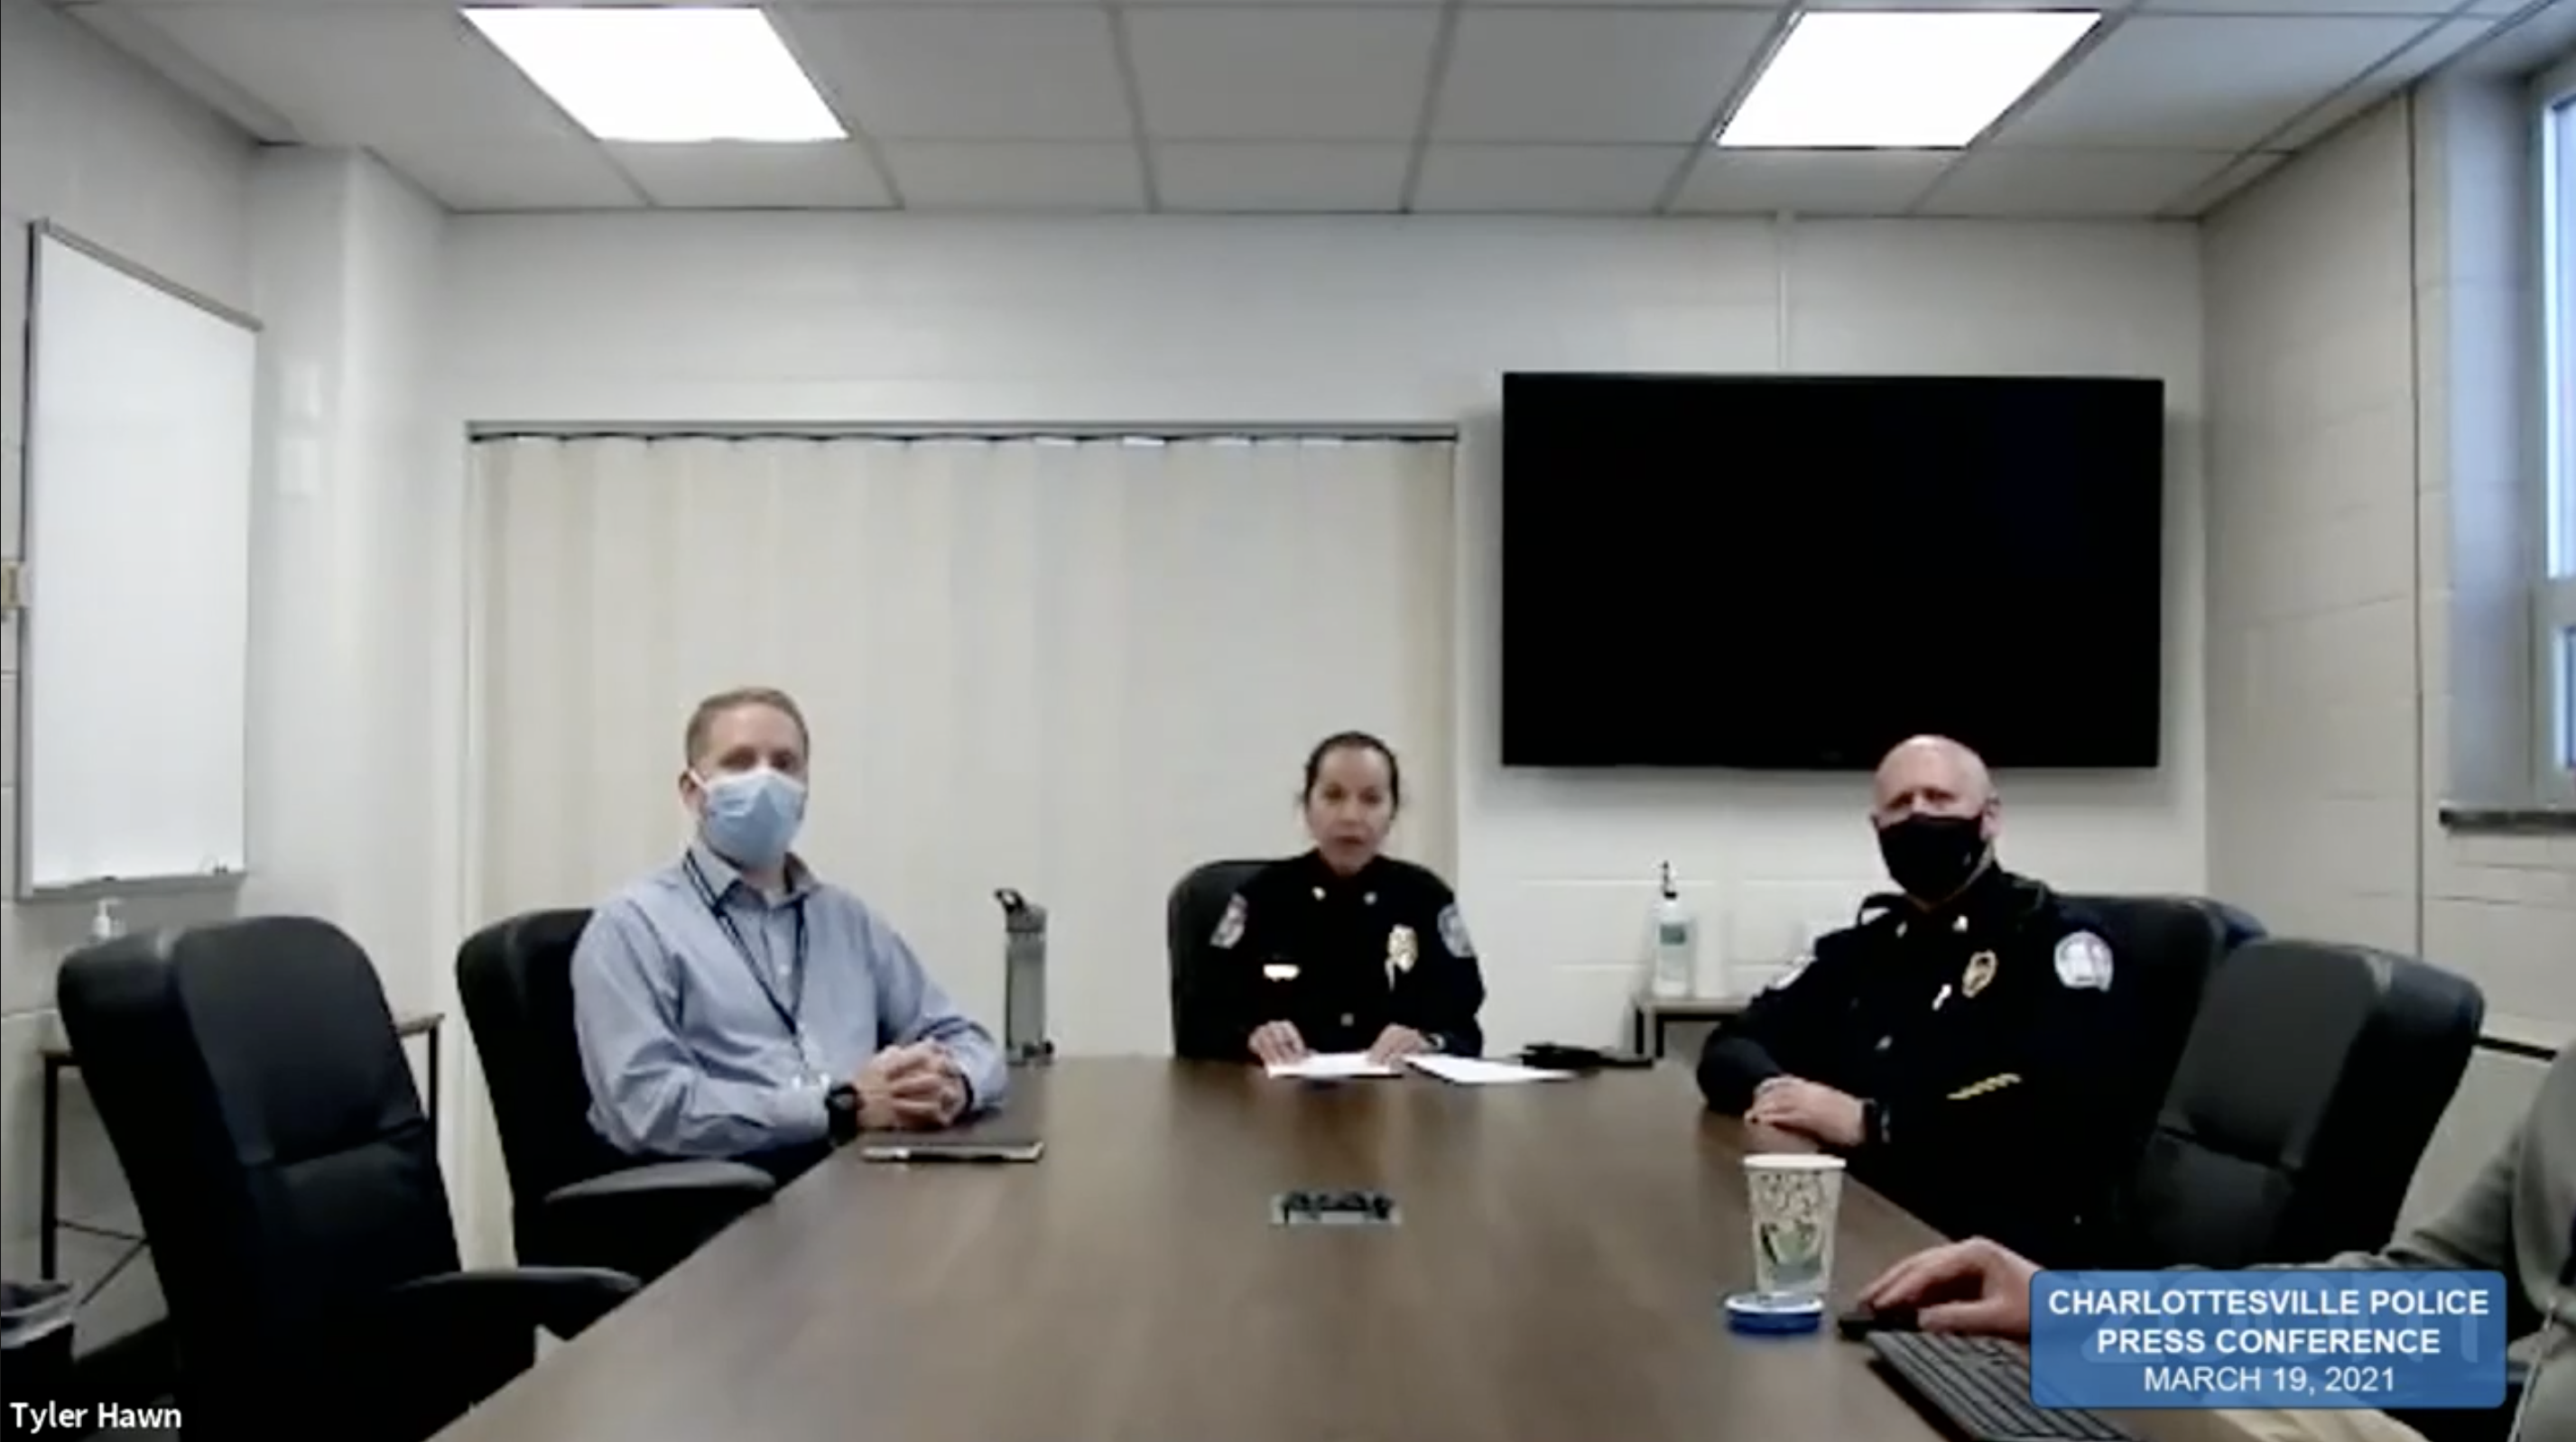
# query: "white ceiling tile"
{"type": "Point", "coordinates": [1810, 182]}
{"type": "Point", "coordinates": [2240, 173]}
{"type": "Point", "coordinates": [2436, 46]}
{"type": "Point", "coordinates": [2026, 182]}
{"type": "Point", "coordinates": [524, 175]}
{"type": "Point", "coordinates": [975, 175]}
{"type": "Point", "coordinates": [1594, 179]}
{"type": "Point", "coordinates": [2429, 9]}
{"type": "Point", "coordinates": [367, 74]}
{"type": "Point", "coordinates": [1281, 177]}
{"type": "Point", "coordinates": [2204, 83]}
{"type": "Point", "coordinates": [1573, 76]}
{"type": "Point", "coordinates": [835, 176]}
{"type": "Point", "coordinates": [967, 72]}
{"type": "Point", "coordinates": [1282, 74]}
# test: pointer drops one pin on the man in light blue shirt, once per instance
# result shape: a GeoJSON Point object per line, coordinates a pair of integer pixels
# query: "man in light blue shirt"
{"type": "Point", "coordinates": [730, 1005]}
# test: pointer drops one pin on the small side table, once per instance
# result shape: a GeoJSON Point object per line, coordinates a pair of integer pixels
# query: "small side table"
{"type": "Point", "coordinates": [1650, 1018]}
{"type": "Point", "coordinates": [50, 1221]}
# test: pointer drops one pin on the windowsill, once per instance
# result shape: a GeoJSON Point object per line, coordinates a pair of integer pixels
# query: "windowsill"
{"type": "Point", "coordinates": [2509, 820]}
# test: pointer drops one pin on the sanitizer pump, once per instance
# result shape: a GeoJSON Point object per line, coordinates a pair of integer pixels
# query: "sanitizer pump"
{"type": "Point", "coordinates": [1676, 942]}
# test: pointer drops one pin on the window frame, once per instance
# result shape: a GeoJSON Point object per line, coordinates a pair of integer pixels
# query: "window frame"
{"type": "Point", "coordinates": [2553, 628]}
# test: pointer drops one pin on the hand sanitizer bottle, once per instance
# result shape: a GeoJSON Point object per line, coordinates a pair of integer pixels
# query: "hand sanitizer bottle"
{"type": "Point", "coordinates": [1676, 942]}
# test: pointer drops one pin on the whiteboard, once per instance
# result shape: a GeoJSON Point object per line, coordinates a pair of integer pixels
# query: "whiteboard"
{"type": "Point", "coordinates": [141, 408]}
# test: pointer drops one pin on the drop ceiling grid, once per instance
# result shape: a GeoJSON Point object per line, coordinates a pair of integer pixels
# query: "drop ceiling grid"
{"type": "Point", "coordinates": [1375, 106]}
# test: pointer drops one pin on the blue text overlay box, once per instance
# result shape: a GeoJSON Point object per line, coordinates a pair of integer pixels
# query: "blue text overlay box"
{"type": "Point", "coordinates": [2267, 1339]}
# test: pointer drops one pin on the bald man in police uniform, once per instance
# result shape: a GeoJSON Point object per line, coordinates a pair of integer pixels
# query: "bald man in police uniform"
{"type": "Point", "coordinates": [1958, 1044]}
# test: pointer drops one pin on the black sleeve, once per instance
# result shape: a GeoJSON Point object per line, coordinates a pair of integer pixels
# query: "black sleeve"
{"type": "Point", "coordinates": [1453, 990]}
{"type": "Point", "coordinates": [1783, 1031]}
{"type": "Point", "coordinates": [1218, 992]}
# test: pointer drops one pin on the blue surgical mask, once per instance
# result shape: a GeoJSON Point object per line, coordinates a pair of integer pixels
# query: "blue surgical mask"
{"type": "Point", "coordinates": [751, 816]}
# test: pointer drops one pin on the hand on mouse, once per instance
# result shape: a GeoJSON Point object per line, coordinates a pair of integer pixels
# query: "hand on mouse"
{"type": "Point", "coordinates": [1974, 1286]}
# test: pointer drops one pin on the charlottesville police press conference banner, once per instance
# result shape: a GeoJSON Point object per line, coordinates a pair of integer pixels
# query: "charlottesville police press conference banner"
{"type": "Point", "coordinates": [2267, 1339]}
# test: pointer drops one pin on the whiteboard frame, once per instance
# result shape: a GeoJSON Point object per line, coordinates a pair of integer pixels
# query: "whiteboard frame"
{"type": "Point", "coordinates": [23, 886]}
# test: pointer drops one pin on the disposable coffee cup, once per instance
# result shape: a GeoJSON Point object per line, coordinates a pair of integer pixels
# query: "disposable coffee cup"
{"type": "Point", "coordinates": [1793, 1199]}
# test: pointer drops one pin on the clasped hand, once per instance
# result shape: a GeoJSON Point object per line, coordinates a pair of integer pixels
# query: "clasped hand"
{"type": "Point", "coordinates": [915, 1087]}
{"type": "Point", "coordinates": [1278, 1042]}
{"type": "Point", "coordinates": [1810, 1109]}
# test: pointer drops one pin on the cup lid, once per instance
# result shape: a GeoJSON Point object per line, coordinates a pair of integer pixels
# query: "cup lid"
{"type": "Point", "coordinates": [1794, 1162]}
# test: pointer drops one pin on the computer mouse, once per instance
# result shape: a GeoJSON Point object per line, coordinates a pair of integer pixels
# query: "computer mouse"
{"type": "Point", "coordinates": [1860, 1321]}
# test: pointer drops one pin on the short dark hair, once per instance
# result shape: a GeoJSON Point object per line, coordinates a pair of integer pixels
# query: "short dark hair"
{"type": "Point", "coordinates": [1355, 741]}
{"type": "Point", "coordinates": [703, 718]}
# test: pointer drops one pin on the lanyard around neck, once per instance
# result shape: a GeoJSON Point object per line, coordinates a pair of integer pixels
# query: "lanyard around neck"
{"type": "Point", "coordinates": [791, 1009]}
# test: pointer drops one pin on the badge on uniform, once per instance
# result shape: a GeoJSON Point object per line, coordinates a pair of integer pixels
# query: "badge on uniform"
{"type": "Point", "coordinates": [2084, 962]}
{"type": "Point", "coordinates": [1229, 928]}
{"type": "Point", "coordinates": [1400, 951]}
{"type": "Point", "coordinates": [1981, 970]}
{"type": "Point", "coordinates": [1453, 932]}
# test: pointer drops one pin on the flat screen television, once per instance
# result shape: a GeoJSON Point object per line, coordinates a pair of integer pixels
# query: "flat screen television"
{"type": "Point", "coordinates": [1795, 572]}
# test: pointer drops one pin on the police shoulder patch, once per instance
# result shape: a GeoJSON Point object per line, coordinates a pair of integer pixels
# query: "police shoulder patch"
{"type": "Point", "coordinates": [1229, 928]}
{"type": "Point", "coordinates": [1453, 932]}
{"type": "Point", "coordinates": [2084, 961]}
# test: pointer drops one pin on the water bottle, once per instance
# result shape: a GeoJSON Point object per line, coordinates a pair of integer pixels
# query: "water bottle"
{"type": "Point", "coordinates": [1024, 1029]}
{"type": "Point", "coordinates": [1676, 951]}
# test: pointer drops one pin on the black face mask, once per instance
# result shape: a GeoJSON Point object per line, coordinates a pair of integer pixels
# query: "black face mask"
{"type": "Point", "coordinates": [1932, 858]}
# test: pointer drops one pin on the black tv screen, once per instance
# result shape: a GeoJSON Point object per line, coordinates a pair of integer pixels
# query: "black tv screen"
{"type": "Point", "coordinates": [1796, 572]}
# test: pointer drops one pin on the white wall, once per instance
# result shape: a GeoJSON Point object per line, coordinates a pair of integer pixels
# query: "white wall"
{"type": "Point", "coordinates": [675, 319]}
{"type": "Point", "coordinates": [94, 143]}
{"type": "Point", "coordinates": [354, 775]}
{"type": "Point", "coordinates": [355, 651]}
{"type": "Point", "coordinates": [2349, 382]}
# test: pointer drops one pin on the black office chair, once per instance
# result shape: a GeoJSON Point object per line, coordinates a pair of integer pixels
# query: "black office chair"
{"type": "Point", "coordinates": [2311, 1083]}
{"type": "Point", "coordinates": [575, 1200]}
{"type": "Point", "coordinates": [1190, 918]}
{"type": "Point", "coordinates": [250, 1080]}
{"type": "Point", "coordinates": [2164, 950]}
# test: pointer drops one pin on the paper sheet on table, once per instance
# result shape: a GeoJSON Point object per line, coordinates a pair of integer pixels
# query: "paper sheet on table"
{"type": "Point", "coordinates": [1333, 1066]}
{"type": "Point", "coordinates": [1477, 1072]}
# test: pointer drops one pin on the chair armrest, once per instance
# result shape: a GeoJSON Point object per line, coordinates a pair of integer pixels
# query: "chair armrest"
{"type": "Point", "coordinates": [645, 1220]}
{"type": "Point", "coordinates": [459, 1306]}
{"type": "Point", "coordinates": [750, 1184]}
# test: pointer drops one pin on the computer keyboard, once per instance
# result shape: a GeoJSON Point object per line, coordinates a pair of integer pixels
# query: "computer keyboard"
{"type": "Point", "coordinates": [1981, 1388]}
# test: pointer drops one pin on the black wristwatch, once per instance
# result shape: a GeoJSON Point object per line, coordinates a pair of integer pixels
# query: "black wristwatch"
{"type": "Point", "coordinates": [841, 1113]}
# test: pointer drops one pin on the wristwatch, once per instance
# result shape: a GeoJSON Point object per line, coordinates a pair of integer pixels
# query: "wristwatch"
{"type": "Point", "coordinates": [1873, 1124]}
{"type": "Point", "coordinates": [841, 1113]}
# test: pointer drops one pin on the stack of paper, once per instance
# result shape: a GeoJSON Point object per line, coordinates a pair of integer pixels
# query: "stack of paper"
{"type": "Point", "coordinates": [1333, 1066]}
{"type": "Point", "coordinates": [1477, 1072]}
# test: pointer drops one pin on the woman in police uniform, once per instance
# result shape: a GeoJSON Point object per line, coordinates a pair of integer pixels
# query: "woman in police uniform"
{"type": "Point", "coordinates": [1344, 948]}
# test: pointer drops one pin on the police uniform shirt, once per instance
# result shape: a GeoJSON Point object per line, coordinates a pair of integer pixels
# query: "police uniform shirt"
{"type": "Point", "coordinates": [1340, 957]}
{"type": "Point", "coordinates": [1982, 1038]}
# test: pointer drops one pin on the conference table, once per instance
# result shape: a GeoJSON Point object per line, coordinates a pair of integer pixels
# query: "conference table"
{"type": "Point", "coordinates": [1553, 1272]}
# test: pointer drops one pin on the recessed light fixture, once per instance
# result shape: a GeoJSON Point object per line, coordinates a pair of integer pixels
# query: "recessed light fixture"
{"type": "Point", "coordinates": [668, 76]}
{"type": "Point", "coordinates": [1899, 80]}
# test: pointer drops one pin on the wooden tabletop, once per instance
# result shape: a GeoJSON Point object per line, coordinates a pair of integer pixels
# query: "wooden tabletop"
{"type": "Point", "coordinates": [1556, 1274]}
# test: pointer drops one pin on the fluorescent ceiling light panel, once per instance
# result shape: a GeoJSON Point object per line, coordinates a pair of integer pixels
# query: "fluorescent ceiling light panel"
{"type": "Point", "coordinates": [669, 76]}
{"type": "Point", "coordinates": [1899, 80]}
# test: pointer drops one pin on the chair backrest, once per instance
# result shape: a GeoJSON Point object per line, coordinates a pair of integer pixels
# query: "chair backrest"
{"type": "Point", "coordinates": [2165, 949]}
{"type": "Point", "coordinates": [514, 978]}
{"type": "Point", "coordinates": [1190, 917]}
{"type": "Point", "coordinates": [250, 1081]}
{"type": "Point", "coordinates": [2311, 1083]}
